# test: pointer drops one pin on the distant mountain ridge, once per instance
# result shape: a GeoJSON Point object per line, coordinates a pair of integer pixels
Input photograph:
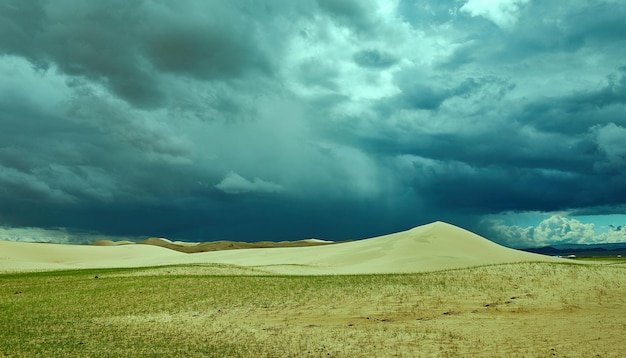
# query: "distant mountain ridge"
{"type": "Point", "coordinates": [602, 250]}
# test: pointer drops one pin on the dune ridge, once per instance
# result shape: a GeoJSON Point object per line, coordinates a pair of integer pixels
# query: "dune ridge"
{"type": "Point", "coordinates": [196, 247]}
{"type": "Point", "coordinates": [431, 247]}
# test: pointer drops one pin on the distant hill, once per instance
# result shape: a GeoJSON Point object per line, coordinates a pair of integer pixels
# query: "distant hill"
{"type": "Point", "coordinates": [581, 250]}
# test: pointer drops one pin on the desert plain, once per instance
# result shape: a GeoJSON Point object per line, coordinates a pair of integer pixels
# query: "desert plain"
{"type": "Point", "coordinates": [432, 291]}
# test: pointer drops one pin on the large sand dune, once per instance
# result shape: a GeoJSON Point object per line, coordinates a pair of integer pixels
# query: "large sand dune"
{"type": "Point", "coordinates": [431, 247]}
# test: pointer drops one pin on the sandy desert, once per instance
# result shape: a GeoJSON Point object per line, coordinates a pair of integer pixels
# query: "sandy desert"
{"type": "Point", "coordinates": [435, 290]}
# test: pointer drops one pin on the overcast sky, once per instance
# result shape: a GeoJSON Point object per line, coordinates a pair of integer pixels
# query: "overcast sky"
{"type": "Point", "coordinates": [339, 119]}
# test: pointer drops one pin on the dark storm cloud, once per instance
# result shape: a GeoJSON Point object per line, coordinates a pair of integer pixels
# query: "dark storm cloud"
{"type": "Point", "coordinates": [580, 110]}
{"type": "Point", "coordinates": [80, 41]}
{"type": "Point", "coordinates": [614, 209]}
{"type": "Point", "coordinates": [424, 13]}
{"type": "Point", "coordinates": [205, 49]}
{"type": "Point", "coordinates": [129, 46]}
{"type": "Point", "coordinates": [512, 165]}
{"type": "Point", "coordinates": [419, 94]}
{"type": "Point", "coordinates": [315, 74]}
{"type": "Point", "coordinates": [352, 13]}
{"type": "Point", "coordinates": [545, 28]}
{"type": "Point", "coordinates": [257, 120]}
{"type": "Point", "coordinates": [374, 59]}
{"type": "Point", "coordinates": [499, 189]}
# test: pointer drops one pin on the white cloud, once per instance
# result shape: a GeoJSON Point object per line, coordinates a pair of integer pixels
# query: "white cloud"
{"type": "Point", "coordinates": [503, 13]}
{"type": "Point", "coordinates": [615, 235]}
{"type": "Point", "coordinates": [559, 229]}
{"type": "Point", "coordinates": [234, 183]}
{"type": "Point", "coordinates": [553, 230]}
{"type": "Point", "coordinates": [29, 234]}
{"type": "Point", "coordinates": [57, 236]}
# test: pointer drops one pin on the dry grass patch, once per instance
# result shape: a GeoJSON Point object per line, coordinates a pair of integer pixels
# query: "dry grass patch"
{"type": "Point", "coordinates": [529, 309]}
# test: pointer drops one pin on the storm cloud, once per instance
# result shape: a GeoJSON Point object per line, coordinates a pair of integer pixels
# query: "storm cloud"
{"type": "Point", "coordinates": [263, 120]}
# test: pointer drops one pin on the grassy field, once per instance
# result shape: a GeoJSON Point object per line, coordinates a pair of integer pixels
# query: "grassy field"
{"type": "Point", "coordinates": [529, 309]}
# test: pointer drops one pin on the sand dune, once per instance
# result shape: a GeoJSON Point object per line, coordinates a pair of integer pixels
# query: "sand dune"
{"type": "Point", "coordinates": [431, 247]}
{"type": "Point", "coordinates": [196, 247]}
{"type": "Point", "coordinates": [436, 246]}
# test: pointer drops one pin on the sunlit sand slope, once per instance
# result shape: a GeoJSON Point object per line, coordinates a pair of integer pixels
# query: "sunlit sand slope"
{"type": "Point", "coordinates": [430, 247]}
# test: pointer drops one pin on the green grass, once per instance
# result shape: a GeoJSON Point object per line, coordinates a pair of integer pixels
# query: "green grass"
{"type": "Point", "coordinates": [198, 311]}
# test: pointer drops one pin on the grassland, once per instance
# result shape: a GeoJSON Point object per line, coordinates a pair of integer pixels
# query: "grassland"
{"type": "Point", "coordinates": [523, 309]}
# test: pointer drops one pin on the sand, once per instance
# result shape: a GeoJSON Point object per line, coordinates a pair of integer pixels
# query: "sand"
{"type": "Point", "coordinates": [28, 256]}
{"type": "Point", "coordinates": [432, 247]}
